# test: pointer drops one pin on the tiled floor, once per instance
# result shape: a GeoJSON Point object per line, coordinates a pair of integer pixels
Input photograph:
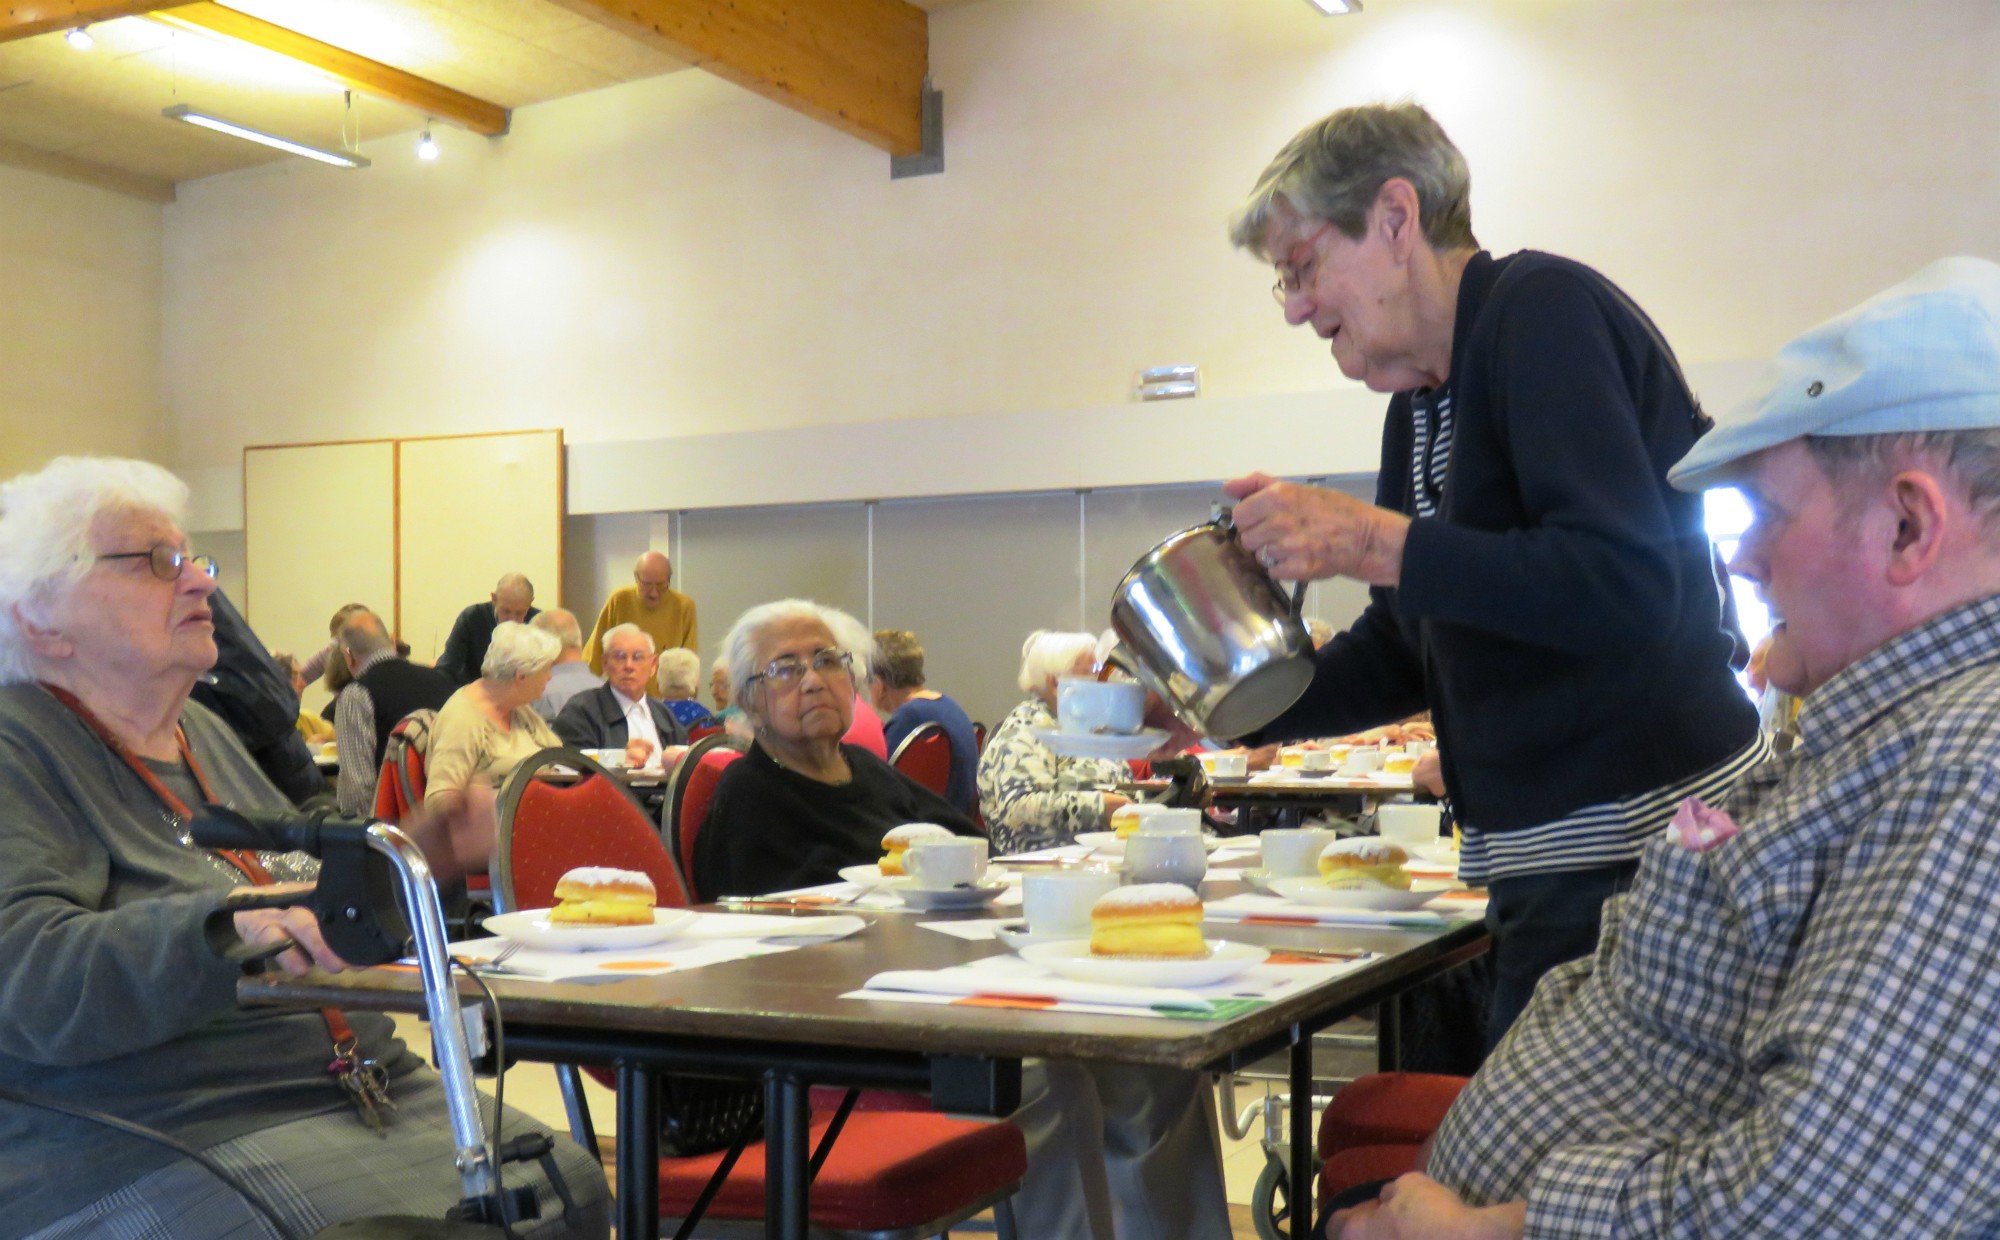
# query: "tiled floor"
{"type": "Point", "coordinates": [532, 1088]}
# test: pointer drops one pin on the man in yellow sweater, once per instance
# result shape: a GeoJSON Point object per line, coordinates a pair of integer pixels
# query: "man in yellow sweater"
{"type": "Point", "coordinates": [666, 614]}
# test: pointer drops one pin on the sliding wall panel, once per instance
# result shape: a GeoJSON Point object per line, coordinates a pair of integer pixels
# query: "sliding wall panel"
{"type": "Point", "coordinates": [732, 559]}
{"type": "Point", "coordinates": [318, 533]}
{"type": "Point", "coordinates": [972, 578]}
{"type": "Point", "coordinates": [473, 508]}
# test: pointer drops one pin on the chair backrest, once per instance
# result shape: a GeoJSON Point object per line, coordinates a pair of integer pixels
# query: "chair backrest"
{"type": "Point", "coordinates": [703, 731]}
{"type": "Point", "coordinates": [978, 737]}
{"type": "Point", "coordinates": [925, 756]}
{"type": "Point", "coordinates": [547, 829]}
{"type": "Point", "coordinates": [399, 787]}
{"type": "Point", "coordinates": [689, 794]}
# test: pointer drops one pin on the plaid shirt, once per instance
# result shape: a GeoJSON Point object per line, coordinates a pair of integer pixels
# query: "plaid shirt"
{"type": "Point", "coordinates": [1796, 1032]}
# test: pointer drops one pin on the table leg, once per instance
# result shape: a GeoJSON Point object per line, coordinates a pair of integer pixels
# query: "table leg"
{"type": "Point", "coordinates": [1389, 1035]}
{"type": "Point", "coordinates": [638, 1151]}
{"type": "Point", "coordinates": [787, 1133]}
{"type": "Point", "coordinates": [1301, 1194]}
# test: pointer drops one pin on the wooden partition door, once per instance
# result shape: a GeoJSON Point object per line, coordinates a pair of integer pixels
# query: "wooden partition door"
{"type": "Point", "coordinates": [414, 528]}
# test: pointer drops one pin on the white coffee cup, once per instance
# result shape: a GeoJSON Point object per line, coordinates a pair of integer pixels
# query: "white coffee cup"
{"type": "Point", "coordinates": [1293, 853]}
{"type": "Point", "coordinates": [1166, 859]}
{"type": "Point", "coordinates": [1085, 706]}
{"type": "Point", "coordinates": [938, 864]}
{"type": "Point", "coordinates": [1058, 902]}
{"type": "Point", "coordinates": [1362, 762]}
{"type": "Point", "coordinates": [1408, 825]}
{"type": "Point", "coordinates": [1164, 821]}
{"type": "Point", "coordinates": [1225, 763]}
{"type": "Point", "coordinates": [1316, 760]}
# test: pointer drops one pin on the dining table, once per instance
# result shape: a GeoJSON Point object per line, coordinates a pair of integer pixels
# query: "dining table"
{"type": "Point", "coordinates": [783, 1018]}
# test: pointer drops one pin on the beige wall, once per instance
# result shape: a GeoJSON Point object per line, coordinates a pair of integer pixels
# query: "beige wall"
{"type": "Point", "coordinates": [79, 322]}
{"type": "Point", "coordinates": [678, 256]}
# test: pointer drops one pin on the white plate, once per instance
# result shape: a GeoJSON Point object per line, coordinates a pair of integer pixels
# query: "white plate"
{"type": "Point", "coordinates": [1016, 935]}
{"type": "Point", "coordinates": [1118, 746]}
{"type": "Point", "coordinates": [1257, 878]}
{"type": "Point", "coordinates": [1382, 899]}
{"type": "Point", "coordinates": [869, 876]}
{"type": "Point", "coordinates": [532, 928]}
{"type": "Point", "coordinates": [1071, 958]}
{"type": "Point", "coordinates": [1109, 841]}
{"type": "Point", "coordinates": [947, 899]}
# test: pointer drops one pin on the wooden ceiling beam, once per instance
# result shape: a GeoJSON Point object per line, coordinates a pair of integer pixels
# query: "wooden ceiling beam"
{"type": "Point", "coordinates": [857, 65]}
{"type": "Point", "coordinates": [24, 19]}
{"type": "Point", "coordinates": [368, 76]}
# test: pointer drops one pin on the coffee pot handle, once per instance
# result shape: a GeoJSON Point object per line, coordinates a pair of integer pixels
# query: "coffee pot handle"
{"type": "Point", "coordinates": [1222, 517]}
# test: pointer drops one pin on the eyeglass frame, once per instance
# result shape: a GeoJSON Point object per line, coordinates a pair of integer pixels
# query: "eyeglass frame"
{"type": "Point", "coordinates": [175, 559]}
{"type": "Point", "coordinates": [823, 661]}
{"type": "Point", "coordinates": [1298, 273]}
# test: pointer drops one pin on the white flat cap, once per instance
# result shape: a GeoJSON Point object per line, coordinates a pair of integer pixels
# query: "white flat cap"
{"type": "Point", "coordinates": [1922, 355]}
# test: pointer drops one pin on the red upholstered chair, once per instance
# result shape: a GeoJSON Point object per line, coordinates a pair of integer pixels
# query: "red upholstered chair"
{"type": "Point", "coordinates": [690, 790]}
{"type": "Point", "coordinates": [704, 731]}
{"type": "Point", "coordinates": [925, 756]}
{"type": "Point", "coordinates": [887, 1171]}
{"type": "Point", "coordinates": [399, 788]}
{"type": "Point", "coordinates": [1374, 1127]}
{"type": "Point", "coordinates": [978, 737]}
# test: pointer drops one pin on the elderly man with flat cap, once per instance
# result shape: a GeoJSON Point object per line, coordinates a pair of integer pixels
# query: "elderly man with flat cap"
{"type": "Point", "coordinates": [1789, 1026]}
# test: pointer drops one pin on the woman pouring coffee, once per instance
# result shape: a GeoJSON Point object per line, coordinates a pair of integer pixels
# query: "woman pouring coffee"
{"type": "Point", "coordinates": [1535, 582]}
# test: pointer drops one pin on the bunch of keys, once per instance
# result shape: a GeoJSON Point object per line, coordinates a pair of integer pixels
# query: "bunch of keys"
{"type": "Point", "coordinates": [366, 1083]}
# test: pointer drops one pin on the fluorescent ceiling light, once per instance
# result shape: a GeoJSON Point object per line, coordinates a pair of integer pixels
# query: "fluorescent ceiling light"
{"type": "Point", "coordinates": [1335, 8]}
{"type": "Point", "coordinates": [339, 159]}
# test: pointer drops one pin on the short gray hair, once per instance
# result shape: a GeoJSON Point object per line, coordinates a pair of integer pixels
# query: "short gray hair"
{"type": "Point", "coordinates": [518, 652]}
{"type": "Point", "coordinates": [629, 629]}
{"type": "Point", "coordinates": [516, 583]}
{"type": "Point", "coordinates": [45, 520]}
{"type": "Point", "coordinates": [1047, 655]}
{"type": "Point", "coordinates": [1969, 460]}
{"type": "Point", "coordinates": [680, 670]}
{"type": "Point", "coordinates": [561, 623]}
{"type": "Point", "coordinates": [1335, 168]}
{"type": "Point", "coordinates": [739, 648]}
{"type": "Point", "coordinates": [363, 634]}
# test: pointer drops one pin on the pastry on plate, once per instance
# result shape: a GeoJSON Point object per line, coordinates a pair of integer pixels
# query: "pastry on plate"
{"type": "Point", "coordinates": [1159, 921]}
{"type": "Point", "coordinates": [596, 895]}
{"type": "Point", "coordinates": [1365, 863]}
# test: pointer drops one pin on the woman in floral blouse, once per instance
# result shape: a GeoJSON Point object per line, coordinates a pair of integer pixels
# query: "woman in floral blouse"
{"type": "Point", "coordinates": [1031, 797]}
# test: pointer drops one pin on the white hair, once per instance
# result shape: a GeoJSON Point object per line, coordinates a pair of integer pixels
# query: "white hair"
{"type": "Point", "coordinates": [1047, 655]}
{"type": "Point", "coordinates": [519, 651]}
{"type": "Point", "coordinates": [45, 520]}
{"type": "Point", "coordinates": [629, 629]}
{"type": "Point", "coordinates": [680, 671]}
{"type": "Point", "coordinates": [739, 649]}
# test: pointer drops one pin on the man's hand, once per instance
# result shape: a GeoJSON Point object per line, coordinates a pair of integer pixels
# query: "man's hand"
{"type": "Point", "coordinates": [263, 927]}
{"type": "Point", "coordinates": [1305, 533]}
{"type": "Point", "coordinates": [1417, 1207]}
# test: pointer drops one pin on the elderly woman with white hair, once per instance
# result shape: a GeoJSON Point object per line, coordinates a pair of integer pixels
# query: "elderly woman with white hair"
{"type": "Point", "coordinates": [680, 686]}
{"type": "Point", "coordinates": [122, 952]}
{"type": "Point", "coordinates": [1033, 797]}
{"type": "Point", "coordinates": [803, 802]}
{"type": "Point", "coordinates": [489, 727]}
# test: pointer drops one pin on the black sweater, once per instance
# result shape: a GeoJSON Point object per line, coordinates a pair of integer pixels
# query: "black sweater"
{"type": "Point", "coordinates": [1560, 614]}
{"type": "Point", "coordinates": [770, 829]}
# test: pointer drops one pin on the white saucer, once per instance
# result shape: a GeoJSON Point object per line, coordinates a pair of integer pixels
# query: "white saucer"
{"type": "Point", "coordinates": [1257, 878]}
{"type": "Point", "coordinates": [532, 928]}
{"type": "Point", "coordinates": [1108, 841]}
{"type": "Point", "coordinates": [1016, 935]}
{"type": "Point", "coordinates": [1383, 899]}
{"type": "Point", "coordinates": [1071, 958]}
{"type": "Point", "coordinates": [1118, 746]}
{"type": "Point", "coordinates": [947, 899]}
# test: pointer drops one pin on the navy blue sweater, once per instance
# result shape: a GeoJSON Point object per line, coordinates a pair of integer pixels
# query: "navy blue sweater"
{"type": "Point", "coordinates": [1560, 614]}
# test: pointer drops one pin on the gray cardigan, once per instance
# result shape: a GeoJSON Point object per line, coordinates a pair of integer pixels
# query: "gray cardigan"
{"type": "Point", "coordinates": [110, 995]}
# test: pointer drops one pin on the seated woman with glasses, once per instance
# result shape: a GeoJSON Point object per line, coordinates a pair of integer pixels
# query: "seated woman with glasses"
{"type": "Point", "coordinates": [801, 804]}
{"type": "Point", "coordinates": [122, 947]}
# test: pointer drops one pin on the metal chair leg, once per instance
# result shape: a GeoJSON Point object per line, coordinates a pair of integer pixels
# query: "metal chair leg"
{"type": "Point", "coordinates": [581, 1129]}
{"type": "Point", "coordinates": [1003, 1220]}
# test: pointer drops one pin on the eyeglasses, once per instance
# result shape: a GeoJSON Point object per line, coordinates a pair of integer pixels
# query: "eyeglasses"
{"type": "Point", "coordinates": [788, 670]}
{"type": "Point", "coordinates": [1294, 276]}
{"type": "Point", "coordinates": [167, 561]}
